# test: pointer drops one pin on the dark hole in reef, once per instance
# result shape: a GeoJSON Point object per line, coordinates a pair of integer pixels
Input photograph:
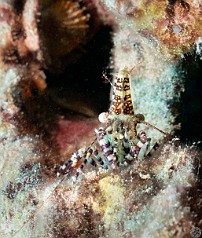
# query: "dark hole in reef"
{"type": "Point", "coordinates": [18, 5]}
{"type": "Point", "coordinates": [190, 107]}
{"type": "Point", "coordinates": [77, 92]}
{"type": "Point", "coordinates": [78, 85]}
{"type": "Point", "coordinates": [79, 88]}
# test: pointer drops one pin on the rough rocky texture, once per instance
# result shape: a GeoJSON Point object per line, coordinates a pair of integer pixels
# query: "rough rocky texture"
{"type": "Point", "coordinates": [159, 197]}
{"type": "Point", "coordinates": [175, 25]}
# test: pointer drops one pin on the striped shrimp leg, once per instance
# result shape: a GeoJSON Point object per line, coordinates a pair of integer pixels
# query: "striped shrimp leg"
{"type": "Point", "coordinates": [99, 159]}
{"type": "Point", "coordinates": [105, 145]}
{"type": "Point", "coordinates": [143, 150]}
{"type": "Point", "coordinates": [139, 146]}
{"type": "Point", "coordinates": [126, 142]}
{"type": "Point", "coordinates": [142, 143]}
{"type": "Point", "coordinates": [132, 154]}
{"type": "Point", "coordinates": [71, 163]}
{"type": "Point", "coordinates": [115, 150]}
{"type": "Point", "coordinates": [87, 159]}
{"type": "Point", "coordinates": [129, 153]}
{"type": "Point", "coordinates": [153, 149]}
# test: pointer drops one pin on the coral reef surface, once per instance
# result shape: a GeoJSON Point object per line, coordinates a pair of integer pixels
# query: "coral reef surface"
{"type": "Point", "coordinates": [51, 94]}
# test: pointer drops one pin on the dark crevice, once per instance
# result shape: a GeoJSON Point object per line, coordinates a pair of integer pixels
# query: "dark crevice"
{"type": "Point", "coordinates": [18, 5]}
{"type": "Point", "coordinates": [82, 81]}
{"type": "Point", "coordinates": [77, 93]}
{"type": "Point", "coordinates": [190, 106]}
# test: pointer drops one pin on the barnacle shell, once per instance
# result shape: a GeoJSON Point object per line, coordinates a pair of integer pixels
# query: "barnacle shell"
{"type": "Point", "coordinates": [64, 27]}
{"type": "Point", "coordinates": [66, 19]}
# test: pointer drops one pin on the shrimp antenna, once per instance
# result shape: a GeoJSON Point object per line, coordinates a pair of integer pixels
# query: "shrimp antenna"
{"type": "Point", "coordinates": [130, 70]}
{"type": "Point", "coordinates": [154, 127]}
{"type": "Point", "coordinates": [104, 76]}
